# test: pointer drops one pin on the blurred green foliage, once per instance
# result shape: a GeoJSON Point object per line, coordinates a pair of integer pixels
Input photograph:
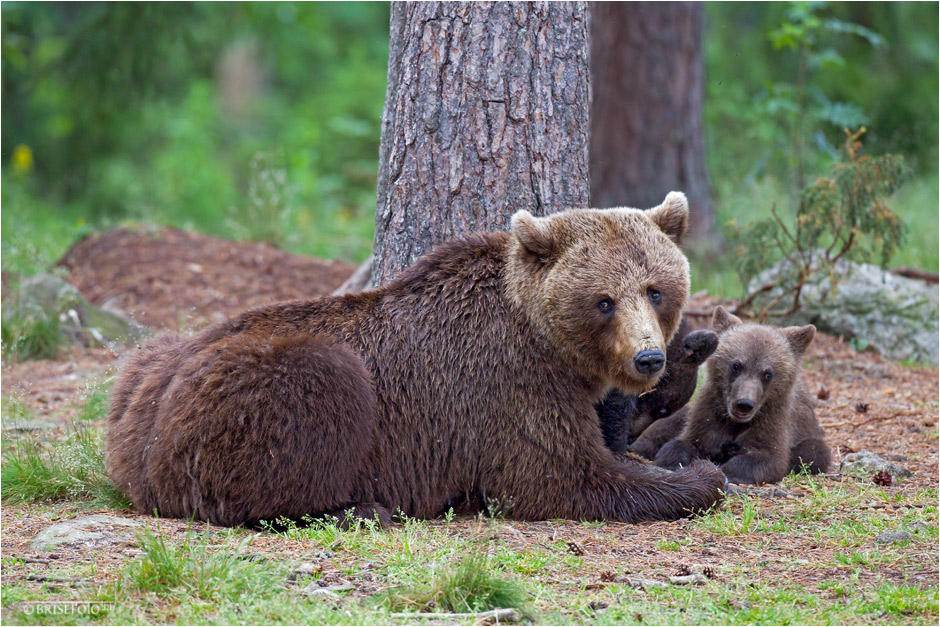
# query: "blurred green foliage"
{"type": "Point", "coordinates": [871, 64]}
{"type": "Point", "coordinates": [157, 111]}
{"type": "Point", "coordinates": [262, 120]}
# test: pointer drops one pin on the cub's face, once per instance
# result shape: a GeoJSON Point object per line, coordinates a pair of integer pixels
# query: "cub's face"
{"type": "Point", "coordinates": [754, 364]}
{"type": "Point", "coordinates": [606, 287]}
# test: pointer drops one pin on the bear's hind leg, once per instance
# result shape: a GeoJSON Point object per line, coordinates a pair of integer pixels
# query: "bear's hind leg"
{"type": "Point", "coordinates": [811, 453]}
{"type": "Point", "coordinates": [261, 428]}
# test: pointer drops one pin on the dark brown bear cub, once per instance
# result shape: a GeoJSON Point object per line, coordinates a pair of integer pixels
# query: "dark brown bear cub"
{"type": "Point", "coordinates": [476, 371]}
{"type": "Point", "coordinates": [755, 415]}
{"type": "Point", "coordinates": [624, 416]}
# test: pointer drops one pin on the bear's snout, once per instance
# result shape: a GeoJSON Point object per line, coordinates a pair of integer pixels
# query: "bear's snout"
{"type": "Point", "coordinates": [649, 362]}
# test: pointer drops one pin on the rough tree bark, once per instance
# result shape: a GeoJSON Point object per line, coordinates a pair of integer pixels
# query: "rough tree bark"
{"type": "Point", "coordinates": [647, 135]}
{"type": "Point", "coordinates": [487, 112]}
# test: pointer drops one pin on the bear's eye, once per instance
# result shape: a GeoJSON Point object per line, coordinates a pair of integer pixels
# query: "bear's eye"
{"type": "Point", "coordinates": [605, 306]}
{"type": "Point", "coordinates": [736, 367]}
{"type": "Point", "coordinates": [768, 376]}
{"type": "Point", "coordinates": [655, 296]}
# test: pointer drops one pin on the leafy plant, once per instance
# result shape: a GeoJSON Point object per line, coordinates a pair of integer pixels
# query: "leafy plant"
{"type": "Point", "coordinates": [843, 215]}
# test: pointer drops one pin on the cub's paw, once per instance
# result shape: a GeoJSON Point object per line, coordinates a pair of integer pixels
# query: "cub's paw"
{"type": "Point", "coordinates": [675, 454]}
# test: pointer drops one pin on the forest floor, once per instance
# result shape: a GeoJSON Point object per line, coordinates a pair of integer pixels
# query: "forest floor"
{"type": "Point", "coordinates": [805, 552]}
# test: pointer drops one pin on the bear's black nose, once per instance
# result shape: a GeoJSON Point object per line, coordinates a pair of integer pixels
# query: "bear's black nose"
{"type": "Point", "coordinates": [649, 362]}
{"type": "Point", "coordinates": [743, 405]}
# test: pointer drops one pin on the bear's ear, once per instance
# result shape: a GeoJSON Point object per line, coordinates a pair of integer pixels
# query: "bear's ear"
{"type": "Point", "coordinates": [799, 338]}
{"type": "Point", "coordinates": [535, 234]}
{"type": "Point", "coordinates": [722, 320]}
{"type": "Point", "coordinates": [672, 217]}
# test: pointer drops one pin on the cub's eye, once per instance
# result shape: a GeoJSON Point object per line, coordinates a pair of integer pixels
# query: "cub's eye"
{"type": "Point", "coordinates": [768, 375]}
{"type": "Point", "coordinates": [605, 306]}
{"type": "Point", "coordinates": [736, 367]}
{"type": "Point", "coordinates": [655, 296]}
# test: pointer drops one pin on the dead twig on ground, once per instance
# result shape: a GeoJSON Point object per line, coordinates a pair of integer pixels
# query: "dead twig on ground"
{"type": "Point", "coordinates": [479, 618]}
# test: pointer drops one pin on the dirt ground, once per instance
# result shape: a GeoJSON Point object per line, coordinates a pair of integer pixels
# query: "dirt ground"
{"type": "Point", "coordinates": [171, 279]}
{"type": "Point", "coordinates": [179, 280]}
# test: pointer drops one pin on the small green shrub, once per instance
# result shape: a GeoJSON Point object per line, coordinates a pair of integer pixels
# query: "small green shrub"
{"type": "Point", "coordinates": [843, 215]}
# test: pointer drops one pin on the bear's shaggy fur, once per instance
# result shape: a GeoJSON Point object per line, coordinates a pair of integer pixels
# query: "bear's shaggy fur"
{"type": "Point", "coordinates": [475, 372]}
{"type": "Point", "coordinates": [625, 416]}
{"type": "Point", "coordinates": [755, 415]}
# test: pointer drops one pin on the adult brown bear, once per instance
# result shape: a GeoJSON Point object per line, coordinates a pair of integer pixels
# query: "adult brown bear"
{"type": "Point", "coordinates": [474, 372]}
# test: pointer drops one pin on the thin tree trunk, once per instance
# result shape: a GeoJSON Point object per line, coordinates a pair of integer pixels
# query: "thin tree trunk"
{"type": "Point", "coordinates": [647, 135]}
{"type": "Point", "coordinates": [487, 112]}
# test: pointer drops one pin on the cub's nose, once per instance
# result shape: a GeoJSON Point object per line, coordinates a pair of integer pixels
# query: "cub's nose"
{"type": "Point", "coordinates": [743, 406]}
{"type": "Point", "coordinates": [649, 362]}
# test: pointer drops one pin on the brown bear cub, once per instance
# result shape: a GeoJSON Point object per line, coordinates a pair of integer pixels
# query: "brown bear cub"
{"type": "Point", "coordinates": [624, 416]}
{"type": "Point", "coordinates": [476, 371]}
{"type": "Point", "coordinates": [755, 415]}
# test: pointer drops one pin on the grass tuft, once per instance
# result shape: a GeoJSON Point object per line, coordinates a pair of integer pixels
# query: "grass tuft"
{"type": "Point", "coordinates": [95, 407]}
{"type": "Point", "coordinates": [34, 471]}
{"type": "Point", "coordinates": [473, 585]}
{"type": "Point", "coordinates": [189, 568]}
{"type": "Point", "coordinates": [33, 337]}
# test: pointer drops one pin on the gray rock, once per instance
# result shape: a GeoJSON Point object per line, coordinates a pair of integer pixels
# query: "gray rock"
{"type": "Point", "coordinates": [895, 315]}
{"type": "Point", "coordinates": [46, 297]}
{"type": "Point", "coordinates": [867, 463]}
{"type": "Point", "coordinates": [892, 536]}
{"type": "Point", "coordinates": [96, 530]}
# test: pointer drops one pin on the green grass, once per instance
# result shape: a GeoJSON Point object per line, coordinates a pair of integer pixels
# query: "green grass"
{"type": "Point", "coordinates": [189, 569]}
{"type": "Point", "coordinates": [472, 585]}
{"type": "Point", "coordinates": [30, 337]}
{"type": "Point", "coordinates": [763, 603]}
{"type": "Point", "coordinates": [37, 471]}
{"type": "Point", "coordinates": [94, 404]}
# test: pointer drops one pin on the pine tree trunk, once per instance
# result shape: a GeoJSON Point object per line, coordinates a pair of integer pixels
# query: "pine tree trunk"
{"type": "Point", "coordinates": [647, 136]}
{"type": "Point", "coordinates": [487, 112]}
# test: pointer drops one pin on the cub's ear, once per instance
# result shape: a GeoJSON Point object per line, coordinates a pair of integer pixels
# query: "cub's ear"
{"type": "Point", "coordinates": [672, 217]}
{"type": "Point", "coordinates": [535, 234]}
{"type": "Point", "coordinates": [799, 338]}
{"type": "Point", "coordinates": [722, 320]}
